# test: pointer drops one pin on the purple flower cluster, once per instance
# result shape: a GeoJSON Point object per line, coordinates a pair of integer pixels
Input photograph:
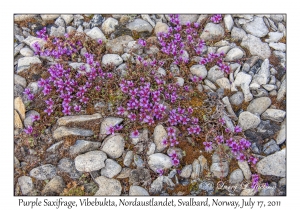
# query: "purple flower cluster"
{"type": "Point", "coordinates": [216, 18]}
{"type": "Point", "coordinates": [218, 57]}
{"type": "Point", "coordinates": [179, 38]}
{"type": "Point", "coordinates": [28, 130]}
{"type": "Point", "coordinates": [30, 95]}
{"type": "Point", "coordinates": [42, 34]}
{"type": "Point", "coordinates": [255, 181]}
{"type": "Point", "coordinates": [113, 129]}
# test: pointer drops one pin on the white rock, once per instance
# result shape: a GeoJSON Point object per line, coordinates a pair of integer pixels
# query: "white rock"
{"type": "Point", "coordinates": [96, 34]}
{"type": "Point", "coordinates": [58, 32]}
{"type": "Point", "coordinates": [245, 168]}
{"type": "Point", "coordinates": [159, 134]}
{"type": "Point", "coordinates": [210, 84]}
{"type": "Point", "coordinates": [18, 80]}
{"type": "Point", "coordinates": [128, 158]}
{"type": "Point", "coordinates": [274, 37]}
{"type": "Point", "coordinates": [65, 131]}
{"type": "Point", "coordinates": [26, 184]}
{"type": "Point", "coordinates": [111, 169]}
{"type": "Point", "coordinates": [26, 52]}
{"type": "Point", "coordinates": [242, 78]}
{"type": "Point", "coordinates": [112, 58]}
{"type": "Point", "coordinates": [234, 54]}
{"type": "Point", "coordinates": [67, 18]}
{"type": "Point", "coordinates": [247, 120]}
{"type": "Point", "coordinates": [281, 91]}
{"type": "Point", "coordinates": [199, 70]}
{"type": "Point", "coordinates": [109, 25]}
{"type": "Point", "coordinates": [256, 46]}
{"type": "Point", "coordinates": [159, 161]}
{"type": "Point", "coordinates": [161, 27]}
{"type": "Point", "coordinates": [186, 171]}
{"type": "Point", "coordinates": [269, 87]}
{"type": "Point", "coordinates": [212, 32]}
{"type": "Point", "coordinates": [223, 49]}
{"type": "Point", "coordinates": [108, 122]}
{"type": "Point", "coordinates": [215, 73]}
{"type": "Point", "coordinates": [274, 164]}
{"type": "Point", "coordinates": [278, 46]}
{"type": "Point", "coordinates": [257, 27]}
{"type": "Point", "coordinates": [137, 191]}
{"type": "Point", "coordinates": [49, 17]}
{"type": "Point", "coordinates": [90, 161]}
{"type": "Point", "coordinates": [236, 176]}
{"type": "Point", "coordinates": [228, 22]}
{"type": "Point", "coordinates": [77, 119]}
{"type": "Point", "coordinates": [223, 83]}
{"type": "Point", "coordinates": [220, 169]}
{"type": "Point", "coordinates": [110, 187]}
{"type": "Point", "coordinates": [276, 115]}
{"type": "Point", "coordinates": [237, 33]}
{"type": "Point", "coordinates": [148, 19]}
{"type": "Point", "coordinates": [24, 63]}
{"type": "Point", "coordinates": [113, 145]}
{"type": "Point", "coordinates": [281, 136]}
{"type": "Point", "coordinates": [179, 81]}
{"type": "Point", "coordinates": [259, 105]}
{"type": "Point", "coordinates": [140, 25]}
{"type": "Point", "coordinates": [263, 76]}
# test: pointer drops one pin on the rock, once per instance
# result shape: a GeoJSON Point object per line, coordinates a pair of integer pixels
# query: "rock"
{"type": "Point", "coordinates": [236, 177]}
{"type": "Point", "coordinates": [224, 49]}
{"type": "Point", "coordinates": [238, 34]}
{"type": "Point", "coordinates": [159, 161]}
{"type": "Point", "coordinates": [77, 119]}
{"type": "Point", "coordinates": [269, 190]}
{"type": "Point", "coordinates": [199, 70]}
{"type": "Point", "coordinates": [90, 161]}
{"type": "Point", "coordinates": [96, 21]}
{"type": "Point", "coordinates": [137, 191]}
{"type": "Point", "coordinates": [111, 169]}
{"type": "Point", "coordinates": [282, 91]}
{"type": "Point", "coordinates": [64, 131]}
{"type": "Point", "coordinates": [26, 184]}
{"type": "Point", "coordinates": [269, 87]}
{"type": "Point", "coordinates": [25, 62]}
{"type": "Point", "coordinates": [70, 29]}
{"type": "Point", "coordinates": [248, 192]}
{"type": "Point", "coordinates": [67, 18]}
{"type": "Point", "coordinates": [111, 187]}
{"type": "Point", "coordinates": [18, 80]}
{"type": "Point", "coordinates": [139, 25]}
{"type": "Point", "coordinates": [161, 27]}
{"type": "Point", "coordinates": [128, 158]}
{"type": "Point", "coordinates": [114, 59]}
{"type": "Point", "coordinates": [276, 115]}
{"type": "Point", "coordinates": [148, 19]}
{"type": "Point", "coordinates": [282, 182]}
{"type": "Point", "coordinates": [157, 184]}
{"type": "Point", "coordinates": [68, 166]}
{"type": "Point", "coordinates": [96, 34]}
{"type": "Point", "coordinates": [242, 78]}
{"type": "Point", "coordinates": [125, 173]}
{"type": "Point", "coordinates": [259, 105]}
{"type": "Point", "coordinates": [134, 47]}
{"type": "Point", "coordinates": [281, 137]}
{"type": "Point", "coordinates": [109, 25]}
{"type": "Point", "coordinates": [43, 172]}
{"type": "Point", "coordinates": [207, 186]}
{"type": "Point", "coordinates": [256, 46]}
{"type": "Point", "coordinates": [184, 19]}
{"type": "Point", "coordinates": [26, 52]}
{"type": "Point", "coordinates": [220, 169]}
{"type": "Point", "coordinates": [260, 93]}
{"type": "Point", "coordinates": [186, 171]}
{"type": "Point", "coordinates": [278, 46]}
{"type": "Point", "coordinates": [60, 22]}
{"type": "Point", "coordinates": [257, 27]}
{"type": "Point", "coordinates": [223, 83]}
{"type": "Point", "coordinates": [212, 32]}
{"type": "Point", "coordinates": [49, 17]}
{"type": "Point", "coordinates": [247, 120]}
{"type": "Point", "coordinates": [18, 121]}
{"type": "Point", "coordinates": [151, 148]}
{"type": "Point", "coordinates": [28, 117]}
{"type": "Point", "coordinates": [229, 108]}
{"type": "Point", "coordinates": [234, 54]}
{"type": "Point", "coordinates": [267, 129]}
{"type": "Point", "coordinates": [210, 84]}
{"type": "Point", "coordinates": [215, 73]}
{"type": "Point", "coordinates": [245, 169]}
{"type": "Point", "coordinates": [228, 22]}
{"type": "Point", "coordinates": [82, 146]}
{"type": "Point", "coordinates": [30, 40]}
{"type": "Point", "coordinates": [113, 145]}
{"type": "Point", "coordinates": [78, 20]}
{"type": "Point", "coordinates": [237, 98]}
{"type": "Point", "coordinates": [117, 45]}
{"type": "Point", "coordinates": [140, 175]}
{"type": "Point", "coordinates": [274, 37]}
{"type": "Point", "coordinates": [20, 107]}
{"type": "Point", "coordinates": [23, 17]}
{"type": "Point", "coordinates": [54, 187]}
{"type": "Point", "coordinates": [138, 161]}
{"type": "Point", "coordinates": [57, 32]}
{"type": "Point", "coordinates": [159, 134]}
{"type": "Point", "coordinates": [270, 147]}
{"type": "Point", "coordinates": [108, 122]}
{"type": "Point", "coordinates": [54, 147]}
{"type": "Point", "coordinates": [274, 164]}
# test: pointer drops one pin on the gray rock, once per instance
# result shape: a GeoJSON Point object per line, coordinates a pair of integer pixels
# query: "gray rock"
{"type": "Point", "coordinates": [278, 46]}
{"type": "Point", "coordinates": [276, 115]}
{"type": "Point", "coordinates": [220, 169]}
{"type": "Point", "coordinates": [210, 84]}
{"type": "Point", "coordinates": [260, 93]}
{"type": "Point", "coordinates": [97, 20]}
{"type": "Point", "coordinates": [151, 148]}
{"type": "Point", "coordinates": [18, 80]}
{"type": "Point", "coordinates": [68, 166]}
{"type": "Point", "coordinates": [238, 34]}
{"type": "Point", "coordinates": [108, 122]}
{"type": "Point", "coordinates": [140, 175]}
{"type": "Point", "coordinates": [274, 164]}
{"type": "Point", "coordinates": [237, 98]}
{"type": "Point", "coordinates": [223, 83]}
{"type": "Point", "coordinates": [247, 120]}
{"type": "Point", "coordinates": [82, 146]}
{"type": "Point", "coordinates": [111, 187]}
{"type": "Point", "coordinates": [34, 88]}
{"type": "Point", "coordinates": [22, 17]}
{"type": "Point", "coordinates": [159, 161]}
{"type": "Point", "coordinates": [157, 184]}
{"type": "Point", "coordinates": [281, 137]}
{"type": "Point", "coordinates": [134, 47]}
{"type": "Point", "coordinates": [269, 87]}
{"type": "Point", "coordinates": [54, 187]}
{"type": "Point", "coordinates": [224, 49]}
{"type": "Point", "coordinates": [137, 191]}
{"type": "Point", "coordinates": [281, 91]}
{"type": "Point", "coordinates": [67, 18]}
{"type": "Point", "coordinates": [111, 169]}
{"type": "Point", "coordinates": [270, 147]}
{"type": "Point", "coordinates": [139, 25]}
{"type": "Point", "coordinates": [236, 177]}
{"type": "Point", "coordinates": [207, 186]}
{"type": "Point", "coordinates": [109, 25]}
{"type": "Point", "coordinates": [267, 129]}
{"type": "Point", "coordinates": [215, 73]}
{"type": "Point", "coordinates": [212, 32]}
{"type": "Point", "coordinates": [60, 22]}
{"type": "Point", "coordinates": [58, 32]}
{"type": "Point", "coordinates": [128, 158]}
{"type": "Point", "coordinates": [30, 40]}
{"type": "Point", "coordinates": [282, 182]}
{"type": "Point", "coordinates": [96, 34]}
{"type": "Point", "coordinates": [259, 105]}
{"type": "Point", "coordinates": [159, 134]}
{"type": "Point", "coordinates": [28, 117]}
{"type": "Point", "coordinates": [70, 29]}
{"type": "Point", "coordinates": [228, 22]}
{"type": "Point", "coordinates": [229, 108]}
{"type": "Point", "coordinates": [256, 46]}
{"type": "Point", "coordinates": [77, 119]}
{"type": "Point", "coordinates": [49, 17]}
{"type": "Point", "coordinates": [43, 172]}
{"type": "Point", "coordinates": [269, 190]}
{"type": "Point", "coordinates": [245, 168]}
{"type": "Point", "coordinates": [78, 20]}
{"type": "Point", "coordinates": [148, 19]}
{"type": "Point", "coordinates": [90, 161]}
{"type": "Point", "coordinates": [26, 184]}
{"type": "Point", "coordinates": [186, 171]}
{"type": "Point", "coordinates": [274, 37]}
{"type": "Point", "coordinates": [161, 27]}
{"type": "Point", "coordinates": [125, 173]}
{"type": "Point", "coordinates": [138, 161]}
{"type": "Point", "coordinates": [234, 54]}
{"type": "Point", "coordinates": [26, 52]}
{"type": "Point", "coordinates": [199, 70]}
{"type": "Point", "coordinates": [114, 59]}
{"type": "Point", "coordinates": [25, 62]}
{"type": "Point", "coordinates": [113, 145]}
{"type": "Point", "coordinates": [257, 27]}
{"type": "Point", "coordinates": [184, 19]}
{"type": "Point", "coordinates": [117, 45]}
{"type": "Point", "coordinates": [64, 131]}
